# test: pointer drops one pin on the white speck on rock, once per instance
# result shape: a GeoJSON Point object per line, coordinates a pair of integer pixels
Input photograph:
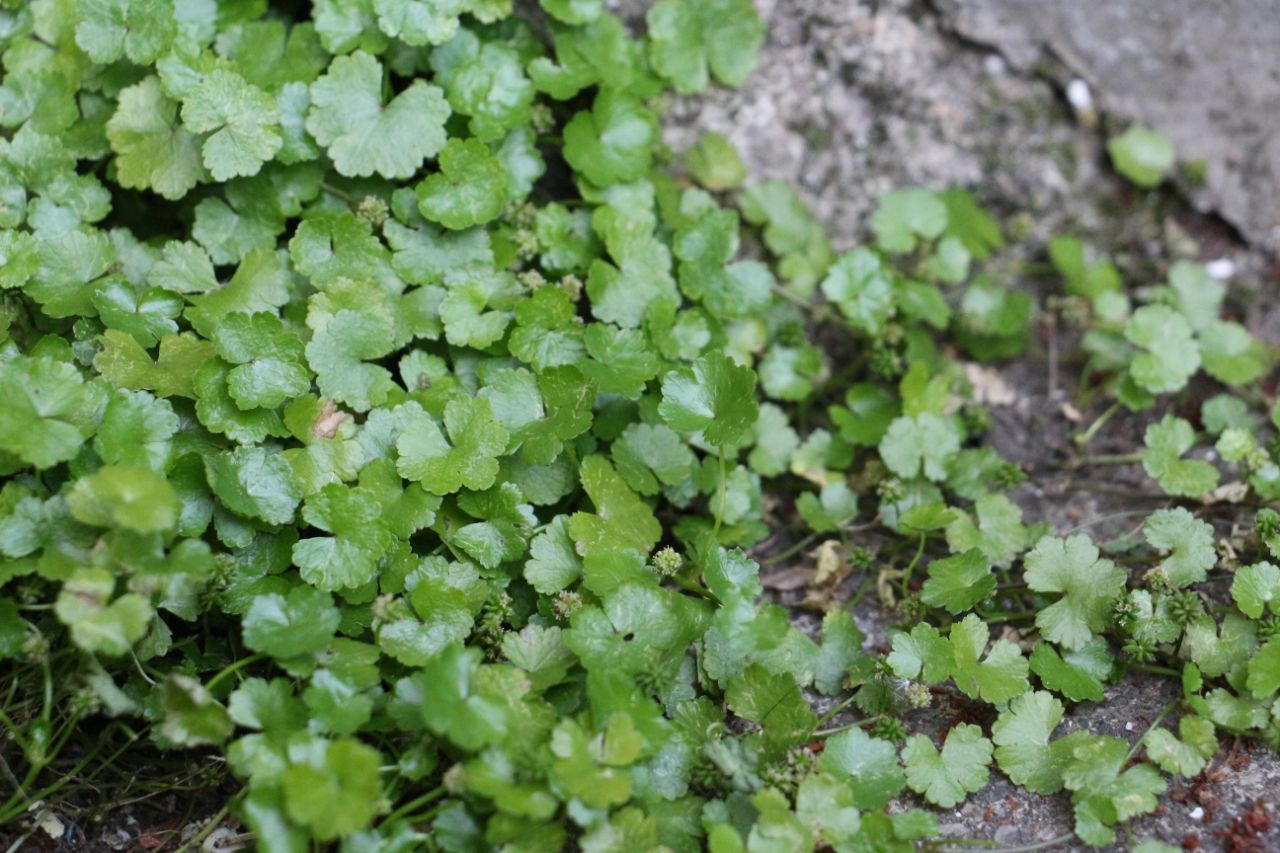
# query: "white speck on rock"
{"type": "Point", "coordinates": [51, 824]}
{"type": "Point", "coordinates": [1221, 268]}
{"type": "Point", "coordinates": [1081, 99]}
{"type": "Point", "coordinates": [1196, 813]}
{"type": "Point", "coordinates": [1079, 95]}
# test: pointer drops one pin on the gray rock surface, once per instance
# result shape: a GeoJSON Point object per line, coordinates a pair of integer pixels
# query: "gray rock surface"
{"type": "Point", "coordinates": [1207, 75]}
{"type": "Point", "coordinates": [854, 97]}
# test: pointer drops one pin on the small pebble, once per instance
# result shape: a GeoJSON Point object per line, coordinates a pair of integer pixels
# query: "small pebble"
{"type": "Point", "coordinates": [994, 64]}
{"type": "Point", "coordinates": [1129, 726]}
{"type": "Point", "coordinates": [1078, 95]}
{"type": "Point", "coordinates": [1221, 269]}
{"type": "Point", "coordinates": [1006, 834]}
{"type": "Point", "coordinates": [1196, 813]}
{"type": "Point", "coordinates": [1081, 100]}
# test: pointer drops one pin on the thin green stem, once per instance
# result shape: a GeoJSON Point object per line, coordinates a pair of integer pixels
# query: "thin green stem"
{"type": "Point", "coordinates": [1105, 518]}
{"type": "Point", "coordinates": [416, 803]}
{"type": "Point", "coordinates": [835, 709]}
{"type": "Point", "coordinates": [423, 817]}
{"type": "Point", "coordinates": [22, 839]}
{"type": "Point", "coordinates": [234, 667]}
{"type": "Point", "coordinates": [342, 194]}
{"type": "Point", "coordinates": [837, 729]}
{"type": "Point", "coordinates": [137, 664]}
{"type": "Point", "coordinates": [1083, 439]}
{"type": "Point", "coordinates": [1056, 841]}
{"type": "Point", "coordinates": [1133, 750]}
{"type": "Point", "coordinates": [691, 586]}
{"type": "Point", "coordinates": [1008, 615]}
{"type": "Point", "coordinates": [1153, 668]}
{"type": "Point", "coordinates": [818, 311]}
{"type": "Point", "coordinates": [46, 712]}
{"type": "Point", "coordinates": [840, 378]}
{"type": "Point", "coordinates": [1052, 367]}
{"type": "Point", "coordinates": [14, 731]}
{"type": "Point", "coordinates": [16, 805]}
{"type": "Point", "coordinates": [60, 738]}
{"type": "Point", "coordinates": [1112, 459]}
{"type": "Point", "coordinates": [792, 550]}
{"type": "Point", "coordinates": [715, 530]}
{"type": "Point", "coordinates": [906, 573]}
{"type": "Point", "coordinates": [861, 593]}
{"type": "Point", "coordinates": [7, 772]}
{"type": "Point", "coordinates": [798, 301]}
{"type": "Point", "coordinates": [1132, 494]}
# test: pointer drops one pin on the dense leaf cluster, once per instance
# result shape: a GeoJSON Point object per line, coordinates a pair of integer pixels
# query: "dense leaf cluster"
{"type": "Point", "coordinates": [381, 409]}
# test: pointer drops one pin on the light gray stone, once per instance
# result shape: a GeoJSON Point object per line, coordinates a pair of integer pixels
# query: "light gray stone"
{"type": "Point", "coordinates": [1207, 75]}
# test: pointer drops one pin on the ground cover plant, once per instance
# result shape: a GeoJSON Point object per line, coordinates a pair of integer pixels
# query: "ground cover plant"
{"type": "Point", "coordinates": [393, 428]}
